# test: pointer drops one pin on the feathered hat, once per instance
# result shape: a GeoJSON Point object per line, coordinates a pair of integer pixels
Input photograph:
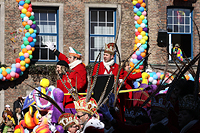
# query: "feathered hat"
{"type": "Point", "coordinates": [66, 120]}
{"type": "Point", "coordinates": [110, 48]}
{"type": "Point", "coordinates": [74, 52]}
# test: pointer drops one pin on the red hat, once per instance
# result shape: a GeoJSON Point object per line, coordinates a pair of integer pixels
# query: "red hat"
{"type": "Point", "coordinates": [109, 48]}
{"type": "Point", "coordinates": [66, 120]}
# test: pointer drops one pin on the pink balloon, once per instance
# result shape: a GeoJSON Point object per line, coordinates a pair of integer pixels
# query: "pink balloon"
{"type": "Point", "coordinates": [8, 76]}
{"type": "Point", "coordinates": [144, 13]}
{"type": "Point", "coordinates": [28, 47]}
{"type": "Point", "coordinates": [136, 17]}
{"type": "Point", "coordinates": [3, 79]}
{"type": "Point", "coordinates": [134, 56]}
{"type": "Point", "coordinates": [158, 74]}
{"type": "Point", "coordinates": [12, 74]}
{"type": "Point", "coordinates": [30, 22]}
{"type": "Point", "coordinates": [26, 55]}
{"type": "Point", "coordinates": [21, 7]}
{"type": "Point", "coordinates": [17, 65]}
{"type": "Point", "coordinates": [16, 75]}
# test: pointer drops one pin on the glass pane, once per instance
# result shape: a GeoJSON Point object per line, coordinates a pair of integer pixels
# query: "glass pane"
{"type": "Point", "coordinates": [175, 20]}
{"type": "Point", "coordinates": [36, 53]}
{"type": "Point", "coordinates": [94, 28]}
{"type": "Point", "coordinates": [169, 20]}
{"type": "Point", "coordinates": [51, 55]}
{"type": "Point", "coordinates": [92, 42]}
{"type": "Point", "coordinates": [101, 16]}
{"type": "Point", "coordinates": [175, 12]}
{"type": "Point", "coordinates": [181, 28]}
{"type": "Point", "coordinates": [94, 53]}
{"type": "Point", "coordinates": [187, 12]}
{"type": "Point", "coordinates": [51, 16]}
{"type": "Point", "coordinates": [187, 20]}
{"type": "Point", "coordinates": [44, 53]}
{"type": "Point", "coordinates": [109, 16]}
{"type": "Point", "coordinates": [169, 12]}
{"type": "Point", "coordinates": [175, 28]}
{"type": "Point", "coordinates": [52, 27]}
{"type": "Point", "coordinates": [93, 15]}
{"type": "Point", "coordinates": [187, 29]}
{"type": "Point", "coordinates": [36, 15]}
{"type": "Point", "coordinates": [169, 28]}
{"type": "Point", "coordinates": [43, 16]}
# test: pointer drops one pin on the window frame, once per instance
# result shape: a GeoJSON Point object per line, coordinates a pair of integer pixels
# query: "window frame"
{"type": "Point", "coordinates": [60, 13]}
{"type": "Point", "coordinates": [2, 33]}
{"type": "Point", "coordinates": [87, 35]}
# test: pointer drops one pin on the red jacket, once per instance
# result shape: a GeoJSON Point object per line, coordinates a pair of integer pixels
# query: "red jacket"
{"type": "Point", "coordinates": [79, 75]}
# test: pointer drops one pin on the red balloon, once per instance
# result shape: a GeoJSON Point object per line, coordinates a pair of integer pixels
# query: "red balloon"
{"type": "Point", "coordinates": [30, 5]}
{"type": "Point", "coordinates": [137, 33]}
{"type": "Point", "coordinates": [141, 67]}
{"type": "Point", "coordinates": [30, 39]}
{"type": "Point", "coordinates": [29, 9]}
{"type": "Point", "coordinates": [8, 77]}
{"type": "Point", "coordinates": [16, 75]}
{"type": "Point", "coordinates": [17, 60]}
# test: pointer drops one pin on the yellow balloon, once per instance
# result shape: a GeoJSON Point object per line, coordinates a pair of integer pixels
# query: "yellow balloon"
{"type": "Point", "coordinates": [29, 52]}
{"type": "Point", "coordinates": [22, 63]}
{"type": "Point", "coordinates": [12, 78]}
{"type": "Point", "coordinates": [161, 76]}
{"type": "Point", "coordinates": [21, 54]}
{"type": "Point", "coordinates": [142, 17]}
{"type": "Point", "coordinates": [24, 10]}
{"type": "Point", "coordinates": [134, 2]}
{"type": "Point", "coordinates": [44, 83]}
{"type": "Point", "coordinates": [145, 38]}
{"type": "Point", "coordinates": [136, 37]}
{"type": "Point", "coordinates": [17, 130]}
{"type": "Point", "coordinates": [142, 41]}
{"type": "Point", "coordinates": [31, 30]}
{"type": "Point", "coordinates": [143, 33]}
{"type": "Point", "coordinates": [3, 68]}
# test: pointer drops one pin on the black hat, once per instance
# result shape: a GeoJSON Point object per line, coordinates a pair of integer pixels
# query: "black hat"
{"type": "Point", "coordinates": [63, 63]}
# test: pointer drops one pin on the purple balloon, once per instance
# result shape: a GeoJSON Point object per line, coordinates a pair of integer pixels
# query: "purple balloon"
{"type": "Point", "coordinates": [60, 129]}
{"type": "Point", "coordinates": [139, 57]}
{"type": "Point", "coordinates": [33, 26]}
{"type": "Point", "coordinates": [138, 5]}
{"type": "Point", "coordinates": [145, 29]}
{"type": "Point", "coordinates": [18, 70]}
{"type": "Point", "coordinates": [144, 1]}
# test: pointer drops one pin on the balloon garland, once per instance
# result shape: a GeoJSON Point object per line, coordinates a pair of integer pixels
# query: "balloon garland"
{"type": "Point", "coordinates": [25, 56]}
{"type": "Point", "coordinates": [141, 34]}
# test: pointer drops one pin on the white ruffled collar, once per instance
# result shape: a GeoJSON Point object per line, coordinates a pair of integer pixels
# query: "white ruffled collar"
{"type": "Point", "coordinates": [75, 63]}
{"type": "Point", "coordinates": [108, 64]}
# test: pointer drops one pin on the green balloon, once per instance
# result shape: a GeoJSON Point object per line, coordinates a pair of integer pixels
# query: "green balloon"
{"type": "Point", "coordinates": [139, 13]}
{"type": "Point", "coordinates": [34, 22]}
{"type": "Point", "coordinates": [30, 56]}
{"type": "Point", "coordinates": [27, 1]}
{"type": "Point", "coordinates": [26, 43]}
{"type": "Point", "coordinates": [27, 27]}
{"type": "Point", "coordinates": [31, 17]}
{"type": "Point", "coordinates": [34, 40]}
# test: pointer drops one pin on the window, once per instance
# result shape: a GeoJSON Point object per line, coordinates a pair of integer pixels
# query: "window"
{"type": "Point", "coordinates": [102, 23]}
{"type": "Point", "coordinates": [179, 27]}
{"type": "Point", "coordinates": [47, 30]}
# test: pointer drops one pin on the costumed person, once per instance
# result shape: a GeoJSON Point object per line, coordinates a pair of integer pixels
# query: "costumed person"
{"type": "Point", "coordinates": [69, 123]}
{"type": "Point", "coordinates": [178, 52]}
{"type": "Point", "coordinates": [159, 114]}
{"type": "Point", "coordinates": [108, 66]}
{"type": "Point", "coordinates": [18, 103]}
{"type": "Point", "coordinates": [87, 116]}
{"type": "Point", "coordinates": [188, 118]}
{"type": "Point", "coordinates": [77, 75]}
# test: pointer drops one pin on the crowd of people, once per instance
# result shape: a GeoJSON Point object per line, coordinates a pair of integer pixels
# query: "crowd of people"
{"type": "Point", "coordinates": [178, 114]}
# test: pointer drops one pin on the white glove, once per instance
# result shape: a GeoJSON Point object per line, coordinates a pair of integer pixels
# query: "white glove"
{"type": "Point", "coordinates": [52, 128]}
{"type": "Point", "coordinates": [50, 45]}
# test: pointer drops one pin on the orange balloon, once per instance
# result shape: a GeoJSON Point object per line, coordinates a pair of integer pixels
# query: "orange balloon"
{"type": "Point", "coordinates": [143, 5]}
{"type": "Point", "coordinates": [137, 70]}
{"type": "Point", "coordinates": [24, 23]}
{"type": "Point", "coordinates": [133, 70]}
{"type": "Point", "coordinates": [131, 64]}
{"type": "Point", "coordinates": [33, 49]}
{"type": "Point", "coordinates": [24, 50]}
{"type": "Point", "coordinates": [139, 21]}
{"type": "Point", "coordinates": [28, 14]}
{"type": "Point", "coordinates": [23, 68]}
{"type": "Point", "coordinates": [187, 77]}
{"type": "Point", "coordinates": [8, 67]}
{"type": "Point", "coordinates": [134, 48]}
{"type": "Point", "coordinates": [4, 73]}
{"type": "Point", "coordinates": [143, 54]}
{"type": "Point", "coordinates": [26, 6]}
{"type": "Point", "coordinates": [140, 1]}
{"type": "Point", "coordinates": [27, 60]}
{"type": "Point", "coordinates": [137, 41]}
{"type": "Point", "coordinates": [140, 29]}
{"type": "Point", "coordinates": [18, 1]}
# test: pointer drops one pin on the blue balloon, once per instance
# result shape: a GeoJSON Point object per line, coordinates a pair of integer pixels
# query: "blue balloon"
{"type": "Point", "coordinates": [135, 61]}
{"type": "Point", "coordinates": [141, 63]}
{"type": "Point", "coordinates": [35, 31]}
{"type": "Point", "coordinates": [155, 77]}
{"type": "Point", "coordinates": [144, 46]}
{"type": "Point", "coordinates": [1, 76]}
{"type": "Point", "coordinates": [144, 21]}
{"type": "Point", "coordinates": [154, 73]}
{"type": "Point", "coordinates": [21, 73]}
{"type": "Point", "coordinates": [25, 39]}
{"type": "Point", "coordinates": [32, 44]}
{"type": "Point", "coordinates": [33, 35]}
{"type": "Point", "coordinates": [27, 34]}
{"type": "Point", "coordinates": [26, 65]}
{"type": "Point", "coordinates": [137, 67]}
{"type": "Point", "coordinates": [141, 49]}
{"type": "Point", "coordinates": [1, 70]}
{"type": "Point", "coordinates": [135, 10]}
{"type": "Point", "coordinates": [21, 3]}
{"type": "Point", "coordinates": [8, 70]}
{"type": "Point", "coordinates": [13, 66]}
{"type": "Point", "coordinates": [23, 46]}
{"type": "Point", "coordinates": [141, 9]}
{"type": "Point", "coordinates": [136, 84]}
{"type": "Point", "coordinates": [147, 34]}
{"type": "Point", "coordinates": [137, 53]}
{"type": "Point", "coordinates": [23, 15]}
{"type": "Point", "coordinates": [22, 58]}
{"type": "Point", "coordinates": [34, 40]}
{"type": "Point", "coordinates": [151, 74]}
{"type": "Point", "coordinates": [13, 69]}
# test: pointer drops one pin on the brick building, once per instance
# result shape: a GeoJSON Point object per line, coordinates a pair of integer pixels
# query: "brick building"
{"type": "Point", "coordinates": [87, 25]}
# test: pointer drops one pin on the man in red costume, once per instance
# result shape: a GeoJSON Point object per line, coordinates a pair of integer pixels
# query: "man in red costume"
{"type": "Point", "coordinates": [77, 75]}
